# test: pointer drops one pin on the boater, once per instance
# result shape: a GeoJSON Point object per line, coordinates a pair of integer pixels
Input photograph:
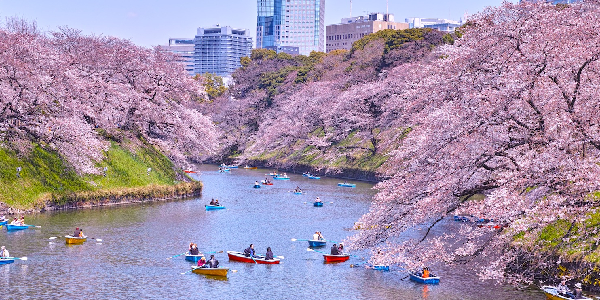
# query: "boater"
{"type": "Point", "coordinates": [212, 262]}
{"type": "Point", "coordinates": [249, 251]}
{"type": "Point", "coordinates": [4, 252]}
{"type": "Point", "coordinates": [193, 249]}
{"type": "Point", "coordinates": [77, 232]}
{"type": "Point", "coordinates": [334, 250]}
{"type": "Point", "coordinates": [269, 255]}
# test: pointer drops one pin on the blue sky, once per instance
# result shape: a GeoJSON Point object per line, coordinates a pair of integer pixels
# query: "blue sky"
{"type": "Point", "coordinates": [152, 22]}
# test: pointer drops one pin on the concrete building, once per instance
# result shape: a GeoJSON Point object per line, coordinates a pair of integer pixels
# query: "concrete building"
{"type": "Point", "coordinates": [184, 49]}
{"type": "Point", "coordinates": [291, 26]}
{"type": "Point", "coordinates": [350, 30]}
{"type": "Point", "coordinates": [434, 23]}
{"type": "Point", "coordinates": [218, 49]}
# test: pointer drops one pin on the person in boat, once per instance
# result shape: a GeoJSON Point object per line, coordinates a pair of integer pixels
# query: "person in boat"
{"type": "Point", "coordinates": [4, 252]}
{"type": "Point", "coordinates": [193, 250]}
{"type": "Point", "coordinates": [562, 287]}
{"type": "Point", "coordinates": [335, 250]}
{"type": "Point", "coordinates": [284, 175]}
{"type": "Point", "coordinates": [212, 262]}
{"type": "Point", "coordinates": [22, 221]}
{"type": "Point", "coordinates": [425, 272]}
{"type": "Point", "coordinates": [77, 232]}
{"type": "Point", "coordinates": [202, 262]}
{"type": "Point", "coordinates": [297, 190]}
{"type": "Point", "coordinates": [318, 200]}
{"type": "Point", "coordinates": [269, 254]}
{"type": "Point", "coordinates": [80, 233]}
{"type": "Point", "coordinates": [217, 202]}
{"type": "Point", "coordinates": [256, 183]}
{"type": "Point", "coordinates": [15, 221]}
{"type": "Point", "coordinates": [316, 236]}
{"type": "Point", "coordinates": [578, 291]}
{"type": "Point", "coordinates": [321, 238]}
{"type": "Point", "coordinates": [341, 249]}
{"type": "Point", "coordinates": [212, 201]}
{"type": "Point", "coordinates": [249, 252]}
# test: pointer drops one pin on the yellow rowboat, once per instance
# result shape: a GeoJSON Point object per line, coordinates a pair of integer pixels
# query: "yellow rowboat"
{"type": "Point", "coordinates": [210, 271]}
{"type": "Point", "coordinates": [552, 293]}
{"type": "Point", "coordinates": [75, 240]}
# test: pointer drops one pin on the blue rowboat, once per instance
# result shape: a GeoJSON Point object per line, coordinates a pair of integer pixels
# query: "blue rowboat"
{"type": "Point", "coordinates": [281, 178]}
{"type": "Point", "coordinates": [297, 193]}
{"type": "Point", "coordinates": [257, 186]}
{"type": "Point", "coordinates": [432, 279]}
{"type": "Point", "coordinates": [214, 207]}
{"type": "Point", "coordinates": [461, 218]}
{"type": "Point", "coordinates": [4, 261]}
{"type": "Point", "coordinates": [3, 222]}
{"type": "Point", "coordinates": [10, 227]}
{"type": "Point", "coordinates": [194, 258]}
{"type": "Point", "coordinates": [318, 204]}
{"type": "Point", "coordinates": [347, 184]}
{"type": "Point", "coordinates": [381, 268]}
{"type": "Point", "coordinates": [232, 167]}
{"type": "Point", "coordinates": [313, 177]}
{"type": "Point", "coordinates": [316, 243]}
{"type": "Point", "coordinates": [306, 174]}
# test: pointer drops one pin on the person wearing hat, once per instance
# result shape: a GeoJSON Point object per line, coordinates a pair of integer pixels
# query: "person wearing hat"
{"type": "Point", "coordinates": [4, 252]}
{"type": "Point", "coordinates": [578, 290]}
{"type": "Point", "coordinates": [212, 262]}
{"type": "Point", "coordinates": [77, 232]}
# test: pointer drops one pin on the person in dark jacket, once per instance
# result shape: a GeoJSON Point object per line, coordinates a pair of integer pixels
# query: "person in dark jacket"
{"type": "Point", "coordinates": [194, 249]}
{"type": "Point", "coordinates": [212, 262]}
{"type": "Point", "coordinates": [77, 232]}
{"type": "Point", "coordinates": [249, 251]}
{"type": "Point", "coordinates": [334, 250]}
{"type": "Point", "coordinates": [269, 255]}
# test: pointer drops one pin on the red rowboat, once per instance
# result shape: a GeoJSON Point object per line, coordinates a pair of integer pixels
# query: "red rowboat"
{"type": "Point", "coordinates": [336, 258]}
{"type": "Point", "coordinates": [239, 256]}
{"type": "Point", "coordinates": [187, 171]}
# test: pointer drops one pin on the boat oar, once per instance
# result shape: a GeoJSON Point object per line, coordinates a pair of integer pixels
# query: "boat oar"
{"type": "Point", "coordinates": [186, 272]}
{"type": "Point", "coordinates": [309, 249]}
{"type": "Point", "coordinates": [252, 256]}
{"type": "Point", "coordinates": [301, 240]}
{"type": "Point", "coordinates": [177, 255]}
{"type": "Point", "coordinates": [21, 258]}
{"type": "Point", "coordinates": [34, 226]}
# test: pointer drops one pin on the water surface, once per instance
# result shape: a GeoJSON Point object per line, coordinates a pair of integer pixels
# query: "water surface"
{"type": "Point", "coordinates": [131, 261]}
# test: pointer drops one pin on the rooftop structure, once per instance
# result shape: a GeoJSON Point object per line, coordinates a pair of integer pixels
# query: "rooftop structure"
{"type": "Point", "coordinates": [350, 30]}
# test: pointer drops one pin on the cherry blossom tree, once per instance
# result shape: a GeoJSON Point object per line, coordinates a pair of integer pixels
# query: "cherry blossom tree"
{"type": "Point", "coordinates": [510, 111]}
{"type": "Point", "coordinates": [63, 88]}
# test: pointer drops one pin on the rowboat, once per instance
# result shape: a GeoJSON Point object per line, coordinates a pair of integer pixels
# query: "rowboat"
{"type": "Point", "coordinates": [194, 258]}
{"type": "Point", "coordinates": [266, 183]}
{"type": "Point", "coordinates": [281, 178]}
{"type": "Point", "coordinates": [188, 171]}
{"type": "Point", "coordinates": [213, 207]}
{"type": "Point", "coordinates": [432, 279]}
{"type": "Point", "coordinates": [256, 186]}
{"type": "Point", "coordinates": [10, 227]}
{"type": "Point", "coordinates": [381, 268]}
{"type": "Point", "coordinates": [251, 168]}
{"type": "Point", "coordinates": [3, 222]}
{"type": "Point", "coordinates": [552, 293]}
{"type": "Point", "coordinates": [316, 243]}
{"type": "Point", "coordinates": [336, 258]}
{"type": "Point", "coordinates": [313, 177]}
{"type": "Point", "coordinates": [224, 170]}
{"type": "Point", "coordinates": [461, 218]}
{"type": "Point", "coordinates": [232, 167]}
{"type": "Point", "coordinates": [75, 240]}
{"type": "Point", "coordinates": [210, 271]}
{"type": "Point", "coordinates": [306, 174]}
{"type": "Point", "coordinates": [347, 184]}
{"type": "Point", "coordinates": [297, 193]}
{"type": "Point", "coordinates": [239, 256]}
{"type": "Point", "coordinates": [318, 204]}
{"type": "Point", "coordinates": [272, 174]}
{"type": "Point", "coordinates": [4, 261]}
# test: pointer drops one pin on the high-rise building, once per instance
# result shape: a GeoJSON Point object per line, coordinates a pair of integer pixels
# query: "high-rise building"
{"type": "Point", "coordinates": [291, 26]}
{"type": "Point", "coordinates": [343, 35]}
{"type": "Point", "coordinates": [434, 23]}
{"type": "Point", "coordinates": [218, 49]}
{"type": "Point", "coordinates": [184, 49]}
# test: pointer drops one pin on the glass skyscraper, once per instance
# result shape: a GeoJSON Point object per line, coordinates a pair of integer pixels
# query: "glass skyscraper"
{"type": "Point", "coordinates": [292, 26]}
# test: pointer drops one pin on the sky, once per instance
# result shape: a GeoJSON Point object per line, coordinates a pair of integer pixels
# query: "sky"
{"type": "Point", "coordinates": [152, 22]}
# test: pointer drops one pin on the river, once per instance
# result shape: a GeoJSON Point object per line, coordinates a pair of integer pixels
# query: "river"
{"type": "Point", "coordinates": [131, 260]}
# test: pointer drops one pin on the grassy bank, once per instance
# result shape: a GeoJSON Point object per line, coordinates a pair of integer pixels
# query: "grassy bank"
{"type": "Point", "coordinates": [44, 176]}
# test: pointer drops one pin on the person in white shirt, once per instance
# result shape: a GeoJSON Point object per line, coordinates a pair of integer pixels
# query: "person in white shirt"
{"type": "Point", "coordinates": [4, 252]}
